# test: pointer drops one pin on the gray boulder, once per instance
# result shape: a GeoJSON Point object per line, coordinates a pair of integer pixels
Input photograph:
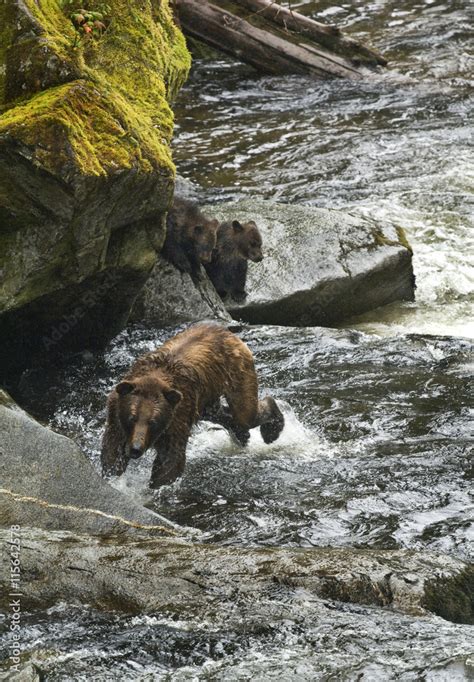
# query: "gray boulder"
{"type": "Point", "coordinates": [162, 574]}
{"type": "Point", "coordinates": [170, 297]}
{"type": "Point", "coordinates": [320, 266]}
{"type": "Point", "coordinates": [46, 481]}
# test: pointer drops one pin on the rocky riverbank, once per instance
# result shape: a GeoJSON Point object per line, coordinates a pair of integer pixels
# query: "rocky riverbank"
{"type": "Point", "coordinates": [85, 169]}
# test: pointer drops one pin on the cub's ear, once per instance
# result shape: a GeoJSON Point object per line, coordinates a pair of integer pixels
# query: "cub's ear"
{"type": "Point", "coordinates": [172, 396]}
{"type": "Point", "coordinates": [124, 387]}
{"type": "Point", "coordinates": [237, 226]}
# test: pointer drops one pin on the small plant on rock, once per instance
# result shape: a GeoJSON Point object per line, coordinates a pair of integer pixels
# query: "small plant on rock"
{"type": "Point", "coordinates": [88, 23]}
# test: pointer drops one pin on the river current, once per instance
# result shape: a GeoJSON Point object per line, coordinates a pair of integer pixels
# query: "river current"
{"type": "Point", "coordinates": [377, 447]}
{"type": "Point", "coordinates": [397, 146]}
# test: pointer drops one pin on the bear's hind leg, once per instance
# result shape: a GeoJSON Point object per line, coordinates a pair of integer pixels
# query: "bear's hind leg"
{"type": "Point", "coordinates": [274, 420]}
{"type": "Point", "coordinates": [221, 414]}
{"type": "Point", "coordinates": [249, 412]}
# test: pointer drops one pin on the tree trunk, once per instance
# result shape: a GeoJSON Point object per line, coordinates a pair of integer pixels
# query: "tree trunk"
{"type": "Point", "coordinates": [273, 39]}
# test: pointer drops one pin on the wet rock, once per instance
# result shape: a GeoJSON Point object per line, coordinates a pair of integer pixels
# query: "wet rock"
{"type": "Point", "coordinates": [320, 266]}
{"type": "Point", "coordinates": [153, 574]}
{"type": "Point", "coordinates": [46, 481]}
{"type": "Point", "coordinates": [26, 673]}
{"type": "Point", "coordinates": [171, 297]}
{"type": "Point", "coordinates": [86, 170]}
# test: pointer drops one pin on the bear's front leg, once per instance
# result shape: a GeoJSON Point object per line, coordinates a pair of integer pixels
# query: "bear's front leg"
{"type": "Point", "coordinates": [112, 454]}
{"type": "Point", "coordinates": [169, 461]}
{"type": "Point", "coordinates": [196, 272]}
{"type": "Point", "coordinates": [239, 279]}
{"type": "Point", "coordinates": [181, 261]}
{"type": "Point", "coordinates": [239, 296]}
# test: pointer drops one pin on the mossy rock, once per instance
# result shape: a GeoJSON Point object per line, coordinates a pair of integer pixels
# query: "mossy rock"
{"type": "Point", "coordinates": [86, 173]}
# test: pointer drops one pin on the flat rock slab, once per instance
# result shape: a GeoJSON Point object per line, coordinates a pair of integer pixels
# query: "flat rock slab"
{"type": "Point", "coordinates": [320, 266]}
{"type": "Point", "coordinates": [46, 481]}
{"type": "Point", "coordinates": [161, 574]}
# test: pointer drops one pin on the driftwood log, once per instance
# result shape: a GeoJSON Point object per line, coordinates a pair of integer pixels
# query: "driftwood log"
{"type": "Point", "coordinates": [274, 39]}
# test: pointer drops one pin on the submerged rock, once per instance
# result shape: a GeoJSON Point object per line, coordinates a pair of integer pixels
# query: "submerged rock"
{"type": "Point", "coordinates": [159, 574]}
{"type": "Point", "coordinates": [320, 266]}
{"type": "Point", "coordinates": [171, 297]}
{"type": "Point", "coordinates": [85, 168]}
{"type": "Point", "coordinates": [46, 481]}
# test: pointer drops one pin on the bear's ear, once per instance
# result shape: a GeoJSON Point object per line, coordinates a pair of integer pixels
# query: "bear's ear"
{"type": "Point", "coordinates": [237, 226]}
{"type": "Point", "coordinates": [198, 229]}
{"type": "Point", "coordinates": [172, 396]}
{"type": "Point", "coordinates": [124, 387]}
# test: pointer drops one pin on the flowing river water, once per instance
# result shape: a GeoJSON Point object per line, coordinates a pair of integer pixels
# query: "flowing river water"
{"type": "Point", "coordinates": [377, 449]}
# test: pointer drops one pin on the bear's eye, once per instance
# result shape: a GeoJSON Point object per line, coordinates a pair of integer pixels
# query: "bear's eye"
{"type": "Point", "coordinates": [133, 419]}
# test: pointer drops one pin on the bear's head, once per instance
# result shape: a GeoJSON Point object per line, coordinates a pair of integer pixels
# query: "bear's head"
{"type": "Point", "coordinates": [248, 240]}
{"type": "Point", "coordinates": [205, 237]}
{"type": "Point", "coordinates": [145, 408]}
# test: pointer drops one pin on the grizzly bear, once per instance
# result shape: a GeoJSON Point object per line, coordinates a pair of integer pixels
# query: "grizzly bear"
{"type": "Point", "coordinates": [236, 244]}
{"type": "Point", "coordinates": [168, 390]}
{"type": "Point", "coordinates": [190, 237]}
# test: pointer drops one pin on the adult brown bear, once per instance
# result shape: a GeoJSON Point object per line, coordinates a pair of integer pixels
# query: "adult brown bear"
{"type": "Point", "coordinates": [167, 391]}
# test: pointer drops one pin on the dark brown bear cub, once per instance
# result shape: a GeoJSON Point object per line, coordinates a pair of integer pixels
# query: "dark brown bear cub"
{"type": "Point", "coordinates": [167, 391]}
{"type": "Point", "coordinates": [190, 237]}
{"type": "Point", "coordinates": [236, 244]}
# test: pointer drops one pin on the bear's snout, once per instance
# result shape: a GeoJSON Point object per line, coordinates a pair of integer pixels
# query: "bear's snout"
{"type": "Point", "coordinates": [136, 451]}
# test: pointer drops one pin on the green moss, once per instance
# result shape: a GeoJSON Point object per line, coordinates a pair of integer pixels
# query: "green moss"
{"type": "Point", "coordinates": [74, 125]}
{"type": "Point", "coordinates": [6, 34]}
{"type": "Point", "coordinates": [117, 115]}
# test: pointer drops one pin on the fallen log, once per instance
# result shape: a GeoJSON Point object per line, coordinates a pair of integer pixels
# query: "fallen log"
{"type": "Point", "coordinates": [275, 40]}
{"type": "Point", "coordinates": [328, 36]}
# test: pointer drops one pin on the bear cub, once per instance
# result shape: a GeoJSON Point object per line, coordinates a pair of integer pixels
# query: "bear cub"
{"type": "Point", "coordinates": [190, 237]}
{"type": "Point", "coordinates": [168, 390]}
{"type": "Point", "coordinates": [237, 243]}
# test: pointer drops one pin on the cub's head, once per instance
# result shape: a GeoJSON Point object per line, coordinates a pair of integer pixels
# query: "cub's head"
{"type": "Point", "coordinates": [145, 408]}
{"type": "Point", "coordinates": [249, 240]}
{"type": "Point", "coordinates": [205, 236]}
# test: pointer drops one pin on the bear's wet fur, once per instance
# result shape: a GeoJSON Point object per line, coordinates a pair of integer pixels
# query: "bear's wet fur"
{"type": "Point", "coordinates": [190, 237]}
{"type": "Point", "coordinates": [168, 390]}
{"type": "Point", "coordinates": [237, 243]}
